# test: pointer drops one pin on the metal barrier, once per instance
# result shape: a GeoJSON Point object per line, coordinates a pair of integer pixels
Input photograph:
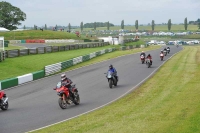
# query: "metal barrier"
{"type": "Point", "coordinates": [48, 49]}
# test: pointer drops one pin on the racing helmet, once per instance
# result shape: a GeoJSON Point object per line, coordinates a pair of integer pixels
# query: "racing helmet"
{"type": "Point", "coordinates": [63, 76]}
{"type": "Point", "coordinates": [111, 66]}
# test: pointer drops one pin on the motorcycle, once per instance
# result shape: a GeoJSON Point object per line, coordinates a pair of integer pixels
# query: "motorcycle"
{"type": "Point", "coordinates": [161, 56]}
{"type": "Point", "coordinates": [142, 59]}
{"type": "Point", "coordinates": [168, 50]}
{"type": "Point", "coordinates": [148, 63]}
{"type": "Point", "coordinates": [3, 101]}
{"type": "Point", "coordinates": [66, 97]}
{"type": "Point", "coordinates": [165, 52]}
{"type": "Point", "coordinates": [112, 80]}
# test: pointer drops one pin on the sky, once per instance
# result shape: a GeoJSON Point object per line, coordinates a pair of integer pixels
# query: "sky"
{"type": "Point", "coordinates": [63, 12]}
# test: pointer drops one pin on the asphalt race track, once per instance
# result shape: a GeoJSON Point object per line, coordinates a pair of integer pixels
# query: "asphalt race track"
{"type": "Point", "coordinates": [35, 105]}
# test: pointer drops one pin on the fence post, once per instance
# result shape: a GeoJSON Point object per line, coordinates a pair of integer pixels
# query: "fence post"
{"type": "Point", "coordinates": [18, 52]}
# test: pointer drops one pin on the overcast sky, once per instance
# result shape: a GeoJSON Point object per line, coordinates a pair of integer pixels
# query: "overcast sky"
{"type": "Point", "coordinates": [63, 12]}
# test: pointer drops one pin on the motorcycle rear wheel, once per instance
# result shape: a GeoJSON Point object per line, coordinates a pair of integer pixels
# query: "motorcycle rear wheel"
{"type": "Point", "coordinates": [62, 104]}
{"type": "Point", "coordinates": [5, 107]}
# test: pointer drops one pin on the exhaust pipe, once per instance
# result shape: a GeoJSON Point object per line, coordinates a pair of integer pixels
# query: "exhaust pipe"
{"type": "Point", "coordinates": [6, 99]}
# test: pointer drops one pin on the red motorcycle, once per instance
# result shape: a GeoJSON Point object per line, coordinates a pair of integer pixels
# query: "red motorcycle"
{"type": "Point", "coordinates": [3, 101]}
{"type": "Point", "coordinates": [142, 58]}
{"type": "Point", "coordinates": [66, 97]}
{"type": "Point", "coordinates": [161, 56]}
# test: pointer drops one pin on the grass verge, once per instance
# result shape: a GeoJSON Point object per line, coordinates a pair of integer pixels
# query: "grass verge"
{"type": "Point", "coordinates": [38, 34]}
{"type": "Point", "coordinates": [11, 47]}
{"type": "Point", "coordinates": [13, 67]}
{"type": "Point", "coordinates": [166, 103]}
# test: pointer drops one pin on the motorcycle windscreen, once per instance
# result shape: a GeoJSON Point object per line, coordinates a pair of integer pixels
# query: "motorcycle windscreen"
{"type": "Point", "coordinates": [109, 74]}
{"type": "Point", "coordinates": [58, 85]}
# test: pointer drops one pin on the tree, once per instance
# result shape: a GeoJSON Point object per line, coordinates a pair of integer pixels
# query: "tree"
{"type": "Point", "coordinates": [122, 24]}
{"type": "Point", "coordinates": [35, 27]}
{"type": "Point", "coordinates": [153, 25]}
{"type": "Point", "coordinates": [169, 24]}
{"type": "Point", "coordinates": [136, 24]}
{"type": "Point", "coordinates": [24, 27]}
{"type": "Point", "coordinates": [10, 16]}
{"type": "Point", "coordinates": [56, 28]}
{"type": "Point", "coordinates": [98, 24]}
{"type": "Point", "coordinates": [199, 25]}
{"type": "Point", "coordinates": [81, 26]}
{"type": "Point", "coordinates": [69, 27]}
{"type": "Point", "coordinates": [45, 27]}
{"type": "Point", "coordinates": [95, 26]}
{"type": "Point", "coordinates": [185, 23]}
{"type": "Point", "coordinates": [108, 25]}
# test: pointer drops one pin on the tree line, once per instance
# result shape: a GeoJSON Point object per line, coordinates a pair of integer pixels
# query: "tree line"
{"type": "Point", "coordinates": [11, 16]}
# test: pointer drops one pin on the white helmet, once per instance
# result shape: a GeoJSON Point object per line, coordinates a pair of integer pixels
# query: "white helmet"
{"type": "Point", "coordinates": [63, 76]}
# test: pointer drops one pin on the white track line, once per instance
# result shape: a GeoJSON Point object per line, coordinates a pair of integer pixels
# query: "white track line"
{"type": "Point", "coordinates": [110, 101]}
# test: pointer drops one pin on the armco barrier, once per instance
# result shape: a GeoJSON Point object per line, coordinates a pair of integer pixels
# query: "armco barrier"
{"type": "Point", "coordinates": [24, 52]}
{"type": "Point", "coordinates": [40, 50]}
{"type": "Point", "coordinates": [48, 49]}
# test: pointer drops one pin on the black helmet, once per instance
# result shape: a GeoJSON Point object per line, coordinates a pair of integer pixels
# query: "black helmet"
{"type": "Point", "coordinates": [63, 77]}
{"type": "Point", "coordinates": [111, 66]}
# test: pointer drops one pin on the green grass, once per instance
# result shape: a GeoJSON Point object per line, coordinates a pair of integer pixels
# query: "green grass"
{"type": "Point", "coordinates": [38, 34]}
{"type": "Point", "coordinates": [11, 47]}
{"type": "Point", "coordinates": [157, 28]}
{"type": "Point", "coordinates": [13, 67]}
{"type": "Point", "coordinates": [167, 103]}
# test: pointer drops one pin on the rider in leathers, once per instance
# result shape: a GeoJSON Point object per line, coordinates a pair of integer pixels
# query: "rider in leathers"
{"type": "Point", "coordinates": [149, 57]}
{"type": "Point", "coordinates": [143, 54]}
{"type": "Point", "coordinates": [67, 83]}
{"type": "Point", "coordinates": [113, 70]}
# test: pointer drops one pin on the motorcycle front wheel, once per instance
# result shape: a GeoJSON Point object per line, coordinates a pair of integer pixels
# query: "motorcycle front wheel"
{"type": "Point", "coordinates": [115, 82]}
{"type": "Point", "coordinates": [110, 83]}
{"type": "Point", "coordinates": [5, 107]}
{"type": "Point", "coordinates": [62, 104]}
{"type": "Point", "coordinates": [148, 64]}
{"type": "Point", "coordinates": [76, 99]}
